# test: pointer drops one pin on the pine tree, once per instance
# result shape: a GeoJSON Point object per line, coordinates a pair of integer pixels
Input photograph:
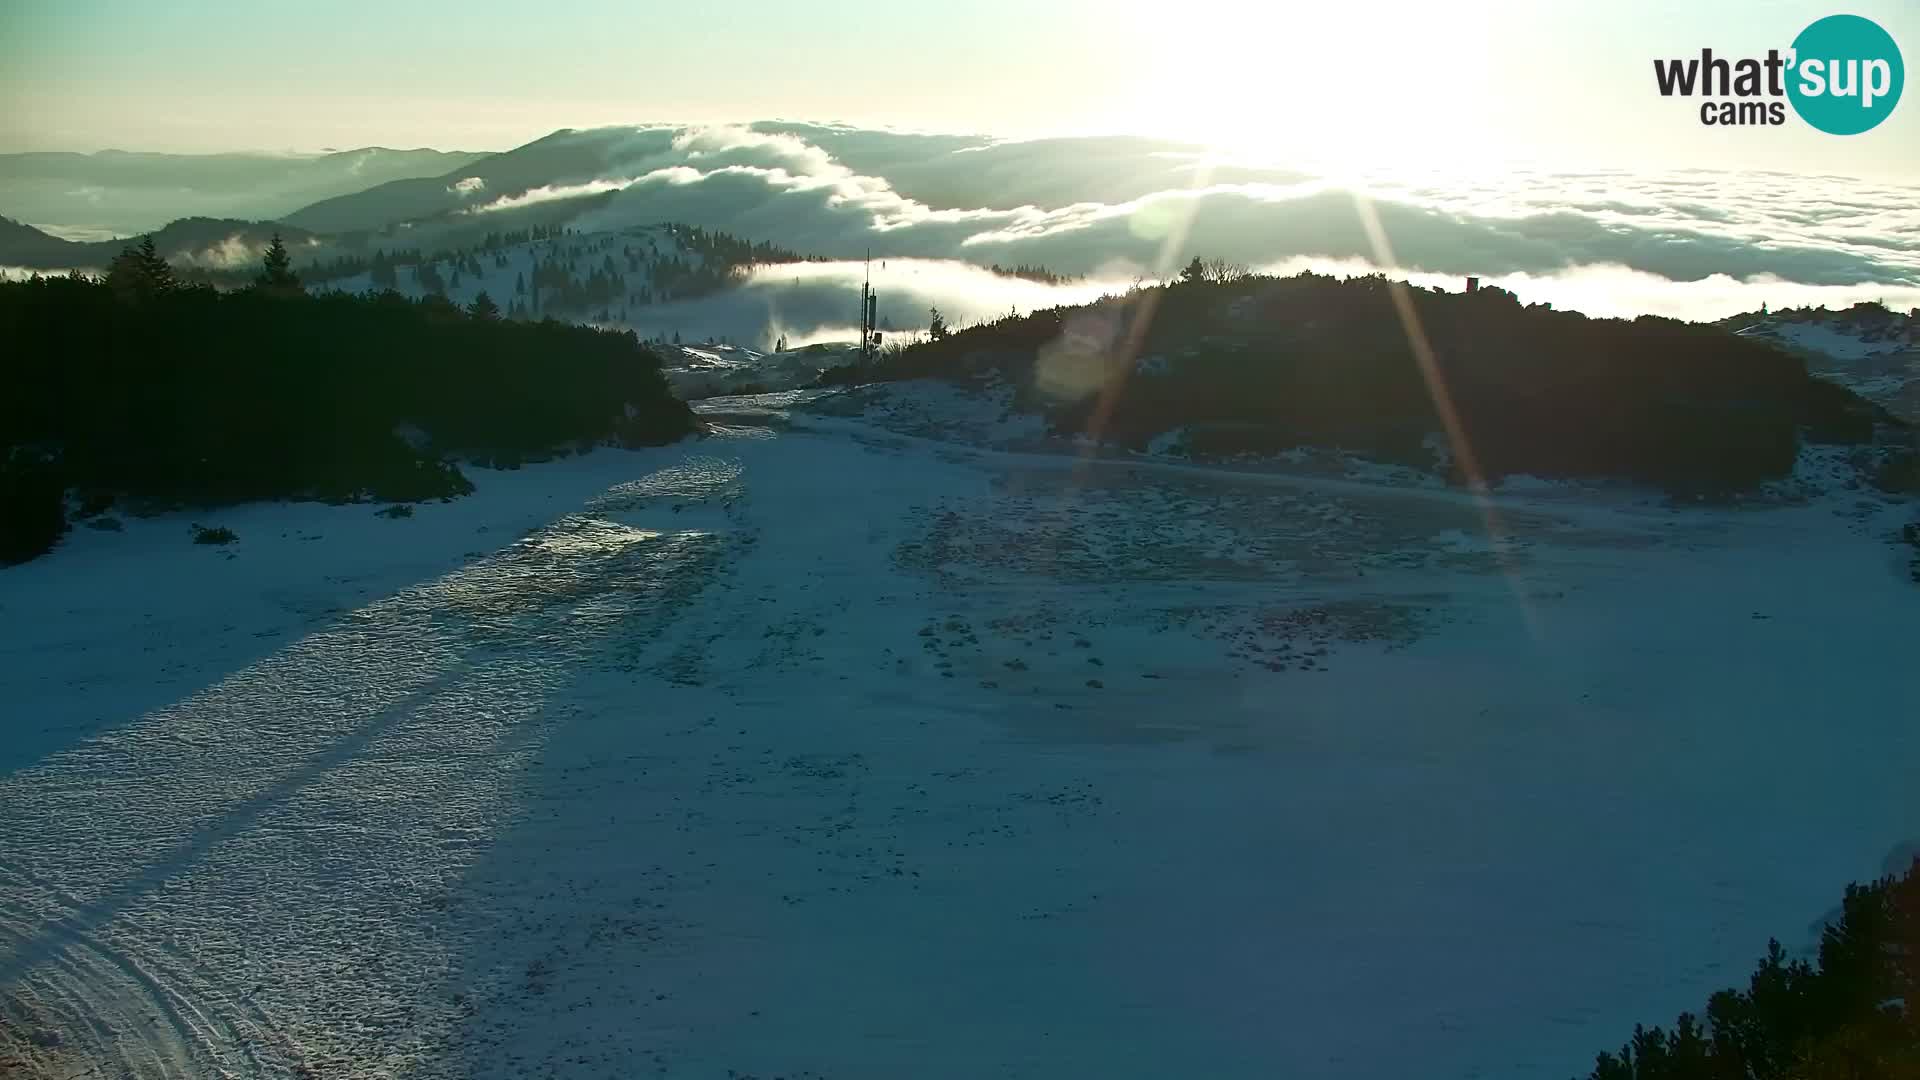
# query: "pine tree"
{"type": "Point", "coordinates": [155, 267]}
{"type": "Point", "coordinates": [139, 273]}
{"type": "Point", "coordinates": [276, 273]}
{"type": "Point", "coordinates": [483, 308]}
{"type": "Point", "coordinates": [123, 273]}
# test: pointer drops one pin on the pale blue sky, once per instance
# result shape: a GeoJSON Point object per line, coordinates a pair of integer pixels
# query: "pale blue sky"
{"type": "Point", "coordinates": [1404, 81]}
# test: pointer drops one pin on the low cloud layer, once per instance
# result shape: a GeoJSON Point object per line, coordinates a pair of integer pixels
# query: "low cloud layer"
{"type": "Point", "coordinates": [1692, 243]}
{"type": "Point", "coordinates": [813, 302]}
{"type": "Point", "coordinates": [1118, 208]}
{"type": "Point", "coordinates": [810, 302]}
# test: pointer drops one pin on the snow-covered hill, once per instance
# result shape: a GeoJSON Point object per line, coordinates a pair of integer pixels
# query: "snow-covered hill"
{"type": "Point", "coordinates": [870, 744]}
{"type": "Point", "coordinates": [629, 278]}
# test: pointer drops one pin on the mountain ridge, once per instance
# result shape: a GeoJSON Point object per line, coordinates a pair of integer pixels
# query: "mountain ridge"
{"type": "Point", "coordinates": [133, 191]}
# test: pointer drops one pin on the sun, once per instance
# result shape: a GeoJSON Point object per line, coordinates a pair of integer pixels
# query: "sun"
{"type": "Point", "coordinates": [1331, 87]}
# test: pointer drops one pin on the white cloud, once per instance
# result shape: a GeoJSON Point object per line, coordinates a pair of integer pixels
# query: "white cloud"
{"type": "Point", "coordinates": [229, 254]}
{"type": "Point", "coordinates": [1748, 229]}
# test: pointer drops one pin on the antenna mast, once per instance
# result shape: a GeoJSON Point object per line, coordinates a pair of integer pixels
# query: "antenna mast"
{"type": "Point", "coordinates": [869, 315]}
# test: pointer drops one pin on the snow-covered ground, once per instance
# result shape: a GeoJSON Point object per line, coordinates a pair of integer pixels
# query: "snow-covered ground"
{"type": "Point", "coordinates": [1880, 363]}
{"type": "Point", "coordinates": [708, 370]}
{"type": "Point", "coordinates": [817, 748]}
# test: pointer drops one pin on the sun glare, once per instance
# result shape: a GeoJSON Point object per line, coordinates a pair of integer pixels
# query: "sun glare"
{"type": "Point", "coordinates": [1332, 88]}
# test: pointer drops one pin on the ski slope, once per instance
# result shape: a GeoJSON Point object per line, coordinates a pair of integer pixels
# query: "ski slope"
{"type": "Point", "coordinates": [876, 742]}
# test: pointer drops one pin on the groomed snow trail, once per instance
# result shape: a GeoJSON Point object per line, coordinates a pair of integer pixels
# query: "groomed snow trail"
{"type": "Point", "coordinates": [837, 754]}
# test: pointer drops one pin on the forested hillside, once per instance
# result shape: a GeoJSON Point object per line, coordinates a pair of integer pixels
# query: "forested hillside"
{"type": "Point", "coordinates": [138, 387]}
{"type": "Point", "coordinates": [1234, 363]}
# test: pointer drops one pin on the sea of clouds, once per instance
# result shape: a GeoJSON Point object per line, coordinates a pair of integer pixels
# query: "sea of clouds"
{"type": "Point", "coordinates": [1114, 210]}
{"type": "Point", "coordinates": [1692, 244]}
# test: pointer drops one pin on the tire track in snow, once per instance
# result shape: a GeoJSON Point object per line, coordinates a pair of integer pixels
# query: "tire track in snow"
{"type": "Point", "coordinates": [91, 988]}
{"type": "Point", "coordinates": [211, 1023]}
{"type": "Point", "coordinates": [295, 827]}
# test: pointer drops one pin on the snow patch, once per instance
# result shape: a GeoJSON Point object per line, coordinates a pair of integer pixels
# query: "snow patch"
{"type": "Point", "coordinates": [1169, 443]}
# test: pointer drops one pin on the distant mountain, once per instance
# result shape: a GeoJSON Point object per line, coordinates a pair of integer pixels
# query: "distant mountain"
{"type": "Point", "coordinates": [959, 172]}
{"type": "Point", "coordinates": [127, 193]}
{"type": "Point", "coordinates": [566, 157]}
{"type": "Point", "coordinates": [24, 245]}
{"type": "Point", "coordinates": [205, 243]}
{"type": "Point", "coordinates": [943, 171]}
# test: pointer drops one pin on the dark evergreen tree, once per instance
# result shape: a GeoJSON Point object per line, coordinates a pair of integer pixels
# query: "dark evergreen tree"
{"type": "Point", "coordinates": [1855, 1016]}
{"type": "Point", "coordinates": [483, 308]}
{"type": "Point", "coordinates": [139, 273]}
{"type": "Point", "coordinates": [276, 270]}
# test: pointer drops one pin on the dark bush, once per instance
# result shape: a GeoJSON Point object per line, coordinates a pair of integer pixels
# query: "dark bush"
{"type": "Point", "coordinates": [92, 503]}
{"type": "Point", "coordinates": [33, 506]}
{"type": "Point", "coordinates": [218, 534]}
{"type": "Point", "coordinates": [1899, 473]}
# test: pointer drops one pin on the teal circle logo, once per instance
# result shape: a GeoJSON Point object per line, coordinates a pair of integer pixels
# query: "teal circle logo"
{"type": "Point", "coordinates": [1847, 75]}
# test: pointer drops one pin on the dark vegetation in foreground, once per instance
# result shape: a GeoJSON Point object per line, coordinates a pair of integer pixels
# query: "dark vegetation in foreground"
{"type": "Point", "coordinates": [1251, 364]}
{"type": "Point", "coordinates": [136, 387]}
{"type": "Point", "coordinates": [1854, 1014]}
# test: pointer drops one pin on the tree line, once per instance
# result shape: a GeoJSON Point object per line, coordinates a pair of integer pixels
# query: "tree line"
{"type": "Point", "coordinates": [136, 386]}
{"type": "Point", "coordinates": [1852, 1014]}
